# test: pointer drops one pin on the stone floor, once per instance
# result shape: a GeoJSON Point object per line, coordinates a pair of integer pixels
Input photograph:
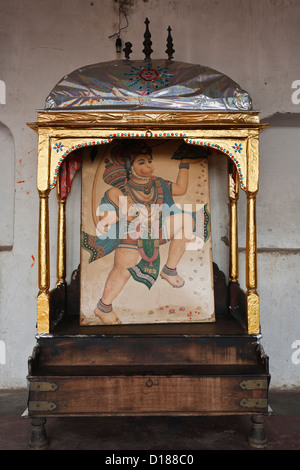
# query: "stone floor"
{"type": "Point", "coordinates": [153, 434]}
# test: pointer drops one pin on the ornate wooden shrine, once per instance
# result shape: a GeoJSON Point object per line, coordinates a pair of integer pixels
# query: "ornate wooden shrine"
{"type": "Point", "coordinates": [171, 369]}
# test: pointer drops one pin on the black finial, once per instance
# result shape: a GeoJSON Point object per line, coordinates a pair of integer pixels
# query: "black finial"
{"type": "Point", "coordinates": [170, 51]}
{"type": "Point", "coordinates": [127, 50]}
{"type": "Point", "coordinates": [147, 43]}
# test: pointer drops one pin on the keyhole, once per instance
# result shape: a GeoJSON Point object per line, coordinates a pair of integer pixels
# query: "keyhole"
{"type": "Point", "coordinates": [149, 383]}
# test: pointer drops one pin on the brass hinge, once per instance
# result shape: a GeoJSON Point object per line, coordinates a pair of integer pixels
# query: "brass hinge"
{"type": "Point", "coordinates": [43, 387]}
{"type": "Point", "coordinates": [254, 403]}
{"type": "Point", "coordinates": [254, 384]}
{"type": "Point", "coordinates": [41, 406]}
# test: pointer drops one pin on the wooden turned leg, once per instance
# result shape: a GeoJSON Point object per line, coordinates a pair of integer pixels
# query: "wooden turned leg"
{"type": "Point", "coordinates": [39, 439]}
{"type": "Point", "coordinates": [257, 437]}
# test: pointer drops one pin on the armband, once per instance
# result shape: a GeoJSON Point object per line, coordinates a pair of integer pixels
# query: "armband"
{"type": "Point", "coordinates": [184, 165]}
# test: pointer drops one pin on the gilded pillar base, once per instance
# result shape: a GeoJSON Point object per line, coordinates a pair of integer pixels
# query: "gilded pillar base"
{"type": "Point", "coordinates": [252, 309]}
{"type": "Point", "coordinates": [43, 307]}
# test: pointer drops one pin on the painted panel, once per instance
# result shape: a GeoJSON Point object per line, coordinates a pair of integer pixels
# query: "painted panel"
{"type": "Point", "coordinates": [146, 237]}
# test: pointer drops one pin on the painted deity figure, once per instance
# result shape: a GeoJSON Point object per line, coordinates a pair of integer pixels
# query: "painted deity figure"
{"type": "Point", "coordinates": [137, 215]}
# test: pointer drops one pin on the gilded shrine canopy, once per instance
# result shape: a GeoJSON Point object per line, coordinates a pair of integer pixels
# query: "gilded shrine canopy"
{"type": "Point", "coordinates": [140, 84]}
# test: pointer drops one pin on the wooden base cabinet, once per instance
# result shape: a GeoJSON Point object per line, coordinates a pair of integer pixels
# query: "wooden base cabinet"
{"type": "Point", "coordinates": [169, 370]}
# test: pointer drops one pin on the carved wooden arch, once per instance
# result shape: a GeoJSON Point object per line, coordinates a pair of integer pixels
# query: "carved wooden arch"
{"type": "Point", "coordinates": [234, 149]}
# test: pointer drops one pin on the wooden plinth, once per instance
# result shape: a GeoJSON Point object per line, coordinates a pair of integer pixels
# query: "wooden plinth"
{"type": "Point", "coordinates": [159, 369]}
{"type": "Point", "coordinates": [148, 369]}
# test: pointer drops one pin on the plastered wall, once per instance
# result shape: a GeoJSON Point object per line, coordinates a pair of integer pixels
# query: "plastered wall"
{"type": "Point", "coordinates": [255, 42]}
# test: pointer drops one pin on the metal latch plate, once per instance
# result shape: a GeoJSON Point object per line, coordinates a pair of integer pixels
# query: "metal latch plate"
{"type": "Point", "coordinates": [42, 387]}
{"type": "Point", "coordinates": [260, 384]}
{"type": "Point", "coordinates": [41, 406]}
{"type": "Point", "coordinates": [254, 403]}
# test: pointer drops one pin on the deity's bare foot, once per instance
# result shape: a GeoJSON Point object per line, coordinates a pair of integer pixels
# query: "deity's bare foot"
{"type": "Point", "coordinates": [172, 277]}
{"type": "Point", "coordinates": [107, 318]}
{"type": "Point", "coordinates": [106, 314]}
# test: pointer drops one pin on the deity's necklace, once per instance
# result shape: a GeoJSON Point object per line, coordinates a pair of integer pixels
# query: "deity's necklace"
{"type": "Point", "coordinates": [140, 196]}
{"type": "Point", "coordinates": [142, 187]}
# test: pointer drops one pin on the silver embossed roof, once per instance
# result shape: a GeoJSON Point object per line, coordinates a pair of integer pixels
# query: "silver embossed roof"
{"type": "Point", "coordinates": [155, 84]}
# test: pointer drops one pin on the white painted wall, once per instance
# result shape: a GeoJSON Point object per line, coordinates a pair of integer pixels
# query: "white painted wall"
{"type": "Point", "coordinates": [7, 187]}
{"type": "Point", "coordinates": [255, 42]}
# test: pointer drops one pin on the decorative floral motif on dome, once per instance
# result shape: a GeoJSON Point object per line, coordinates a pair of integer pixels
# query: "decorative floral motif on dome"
{"type": "Point", "coordinates": [148, 78]}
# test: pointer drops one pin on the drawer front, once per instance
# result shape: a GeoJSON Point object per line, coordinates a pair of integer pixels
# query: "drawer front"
{"type": "Point", "coordinates": [152, 395]}
{"type": "Point", "coordinates": [147, 351]}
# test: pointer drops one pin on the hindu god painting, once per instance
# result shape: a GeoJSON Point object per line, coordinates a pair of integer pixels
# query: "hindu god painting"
{"type": "Point", "coordinates": [146, 254]}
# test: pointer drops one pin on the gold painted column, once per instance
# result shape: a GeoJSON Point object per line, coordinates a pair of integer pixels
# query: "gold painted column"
{"type": "Point", "coordinates": [61, 241]}
{"type": "Point", "coordinates": [233, 192]}
{"type": "Point", "coordinates": [252, 299]}
{"type": "Point", "coordinates": [43, 299]}
{"type": "Point", "coordinates": [61, 285]}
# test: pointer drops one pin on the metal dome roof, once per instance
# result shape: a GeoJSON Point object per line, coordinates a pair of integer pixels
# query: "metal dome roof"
{"type": "Point", "coordinates": [140, 84]}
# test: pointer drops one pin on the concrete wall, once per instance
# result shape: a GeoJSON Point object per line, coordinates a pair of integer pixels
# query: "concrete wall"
{"type": "Point", "coordinates": [255, 42]}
